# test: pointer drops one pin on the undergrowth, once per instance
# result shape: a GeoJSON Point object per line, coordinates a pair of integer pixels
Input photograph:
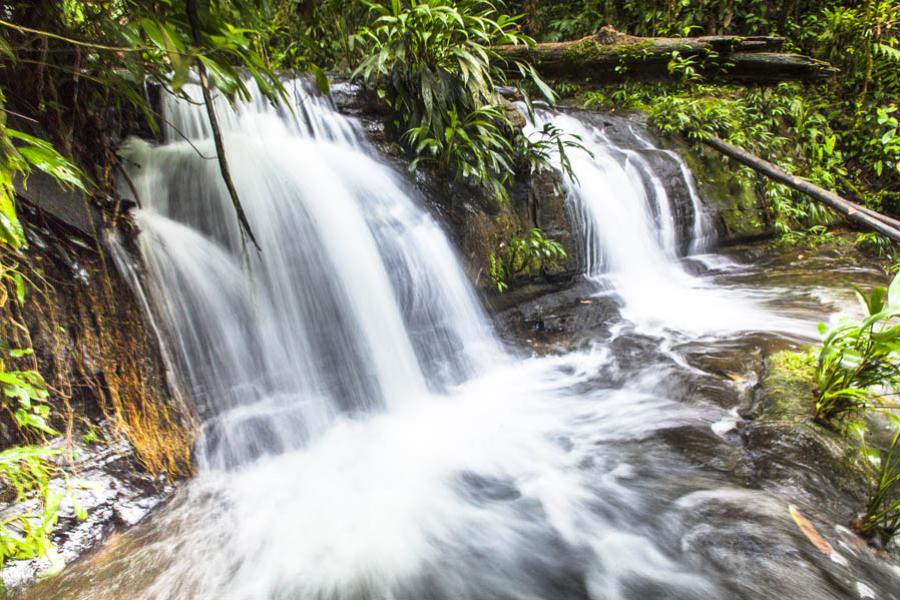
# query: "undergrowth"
{"type": "Point", "coordinates": [787, 125]}
{"type": "Point", "coordinates": [434, 63]}
{"type": "Point", "coordinates": [526, 254]}
{"type": "Point", "coordinates": [857, 371]}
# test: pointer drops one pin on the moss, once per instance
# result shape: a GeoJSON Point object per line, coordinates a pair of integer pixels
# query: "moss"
{"type": "Point", "coordinates": [788, 446]}
{"type": "Point", "coordinates": [789, 384]}
{"type": "Point", "coordinates": [741, 211]}
{"type": "Point", "coordinates": [588, 49]}
{"type": "Point", "coordinates": [788, 388]}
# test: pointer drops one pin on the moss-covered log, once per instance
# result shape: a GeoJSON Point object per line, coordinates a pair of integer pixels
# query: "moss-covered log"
{"type": "Point", "coordinates": [860, 215]}
{"type": "Point", "coordinates": [610, 55]}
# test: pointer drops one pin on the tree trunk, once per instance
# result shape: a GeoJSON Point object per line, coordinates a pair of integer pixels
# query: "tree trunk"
{"type": "Point", "coordinates": [861, 215]}
{"type": "Point", "coordinates": [613, 56]}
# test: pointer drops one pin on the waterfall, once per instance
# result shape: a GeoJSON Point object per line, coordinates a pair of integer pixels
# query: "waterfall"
{"type": "Point", "coordinates": [355, 303]}
{"type": "Point", "coordinates": [636, 231]}
{"type": "Point", "coordinates": [366, 437]}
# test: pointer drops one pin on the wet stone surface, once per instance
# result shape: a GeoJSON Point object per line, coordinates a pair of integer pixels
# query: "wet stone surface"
{"type": "Point", "coordinates": [112, 489]}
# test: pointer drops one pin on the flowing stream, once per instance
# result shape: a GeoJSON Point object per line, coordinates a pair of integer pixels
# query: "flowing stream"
{"type": "Point", "coordinates": [367, 435]}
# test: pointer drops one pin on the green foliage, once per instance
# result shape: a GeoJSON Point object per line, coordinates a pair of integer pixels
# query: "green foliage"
{"type": "Point", "coordinates": [550, 143]}
{"type": "Point", "coordinates": [19, 153]}
{"type": "Point", "coordinates": [432, 60]}
{"type": "Point", "coordinates": [860, 360]}
{"type": "Point", "coordinates": [882, 517]}
{"type": "Point", "coordinates": [27, 470]}
{"type": "Point", "coordinates": [112, 48]}
{"type": "Point", "coordinates": [476, 148]}
{"type": "Point", "coordinates": [841, 134]}
{"type": "Point", "coordinates": [685, 67]}
{"type": "Point", "coordinates": [780, 123]}
{"type": "Point", "coordinates": [527, 255]}
{"type": "Point", "coordinates": [887, 147]}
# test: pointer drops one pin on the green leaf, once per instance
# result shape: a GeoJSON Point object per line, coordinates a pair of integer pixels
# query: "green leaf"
{"type": "Point", "coordinates": [20, 288]}
{"type": "Point", "coordinates": [893, 294]}
{"type": "Point", "coordinates": [321, 79]}
{"type": "Point", "coordinates": [6, 50]}
{"type": "Point", "coordinates": [41, 155]}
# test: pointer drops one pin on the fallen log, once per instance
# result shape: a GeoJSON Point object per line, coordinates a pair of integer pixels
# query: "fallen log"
{"type": "Point", "coordinates": [854, 212]}
{"type": "Point", "coordinates": [610, 55]}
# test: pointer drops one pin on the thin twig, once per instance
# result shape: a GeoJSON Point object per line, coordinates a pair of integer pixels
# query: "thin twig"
{"type": "Point", "coordinates": [194, 21]}
{"type": "Point", "coordinates": [130, 182]}
{"type": "Point", "coordinates": [182, 135]}
{"type": "Point", "coordinates": [56, 36]}
{"type": "Point", "coordinates": [19, 115]}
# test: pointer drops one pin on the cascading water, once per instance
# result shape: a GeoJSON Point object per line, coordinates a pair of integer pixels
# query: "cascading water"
{"type": "Point", "coordinates": [366, 438]}
{"type": "Point", "coordinates": [273, 349]}
{"type": "Point", "coordinates": [634, 232]}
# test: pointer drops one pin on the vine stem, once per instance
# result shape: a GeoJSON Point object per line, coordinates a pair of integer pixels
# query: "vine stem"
{"type": "Point", "coordinates": [68, 40]}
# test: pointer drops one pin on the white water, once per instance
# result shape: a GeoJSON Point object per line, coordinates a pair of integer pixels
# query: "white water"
{"type": "Point", "coordinates": [633, 240]}
{"type": "Point", "coordinates": [366, 437]}
{"type": "Point", "coordinates": [355, 302]}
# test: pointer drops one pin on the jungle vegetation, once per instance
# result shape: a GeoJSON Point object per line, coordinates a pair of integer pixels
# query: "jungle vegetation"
{"type": "Point", "coordinates": [74, 74]}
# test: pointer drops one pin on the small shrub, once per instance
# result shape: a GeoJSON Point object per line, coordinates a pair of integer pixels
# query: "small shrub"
{"type": "Point", "coordinates": [881, 521]}
{"type": "Point", "coordinates": [26, 470]}
{"type": "Point", "coordinates": [528, 254]}
{"type": "Point", "coordinates": [858, 360]}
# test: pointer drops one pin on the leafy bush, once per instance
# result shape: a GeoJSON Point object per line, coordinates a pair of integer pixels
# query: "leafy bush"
{"type": "Point", "coordinates": [858, 360]}
{"type": "Point", "coordinates": [434, 64]}
{"type": "Point", "coordinates": [27, 470]}
{"type": "Point", "coordinates": [527, 254]}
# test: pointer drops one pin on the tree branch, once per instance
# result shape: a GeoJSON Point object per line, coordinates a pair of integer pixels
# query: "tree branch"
{"type": "Point", "coordinates": [244, 225]}
{"type": "Point", "coordinates": [854, 212]}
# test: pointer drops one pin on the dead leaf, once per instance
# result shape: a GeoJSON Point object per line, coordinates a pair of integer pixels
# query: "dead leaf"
{"type": "Point", "coordinates": [809, 530]}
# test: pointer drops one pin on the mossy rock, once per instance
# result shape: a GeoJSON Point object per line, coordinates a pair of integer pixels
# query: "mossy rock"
{"type": "Point", "coordinates": [742, 213]}
{"type": "Point", "coordinates": [789, 448]}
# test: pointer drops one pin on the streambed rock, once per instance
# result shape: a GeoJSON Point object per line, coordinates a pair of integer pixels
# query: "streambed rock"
{"type": "Point", "coordinates": [109, 486]}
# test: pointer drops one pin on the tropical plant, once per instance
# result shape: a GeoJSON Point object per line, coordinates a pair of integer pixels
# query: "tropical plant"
{"type": "Point", "coordinates": [434, 64]}
{"type": "Point", "coordinates": [859, 362]}
{"type": "Point", "coordinates": [881, 520]}
{"type": "Point", "coordinates": [549, 146]}
{"type": "Point", "coordinates": [527, 254]}
{"type": "Point", "coordinates": [27, 470]}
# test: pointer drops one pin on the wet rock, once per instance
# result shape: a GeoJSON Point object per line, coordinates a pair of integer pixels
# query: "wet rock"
{"type": "Point", "coordinates": [702, 447]}
{"type": "Point", "coordinates": [109, 486]}
{"type": "Point", "coordinates": [550, 316]}
{"type": "Point", "coordinates": [788, 450]}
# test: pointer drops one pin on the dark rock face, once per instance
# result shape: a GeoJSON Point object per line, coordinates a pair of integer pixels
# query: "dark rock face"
{"type": "Point", "coordinates": [549, 317]}
{"type": "Point", "coordinates": [737, 202]}
{"type": "Point", "coordinates": [100, 360]}
{"type": "Point", "coordinates": [476, 222]}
